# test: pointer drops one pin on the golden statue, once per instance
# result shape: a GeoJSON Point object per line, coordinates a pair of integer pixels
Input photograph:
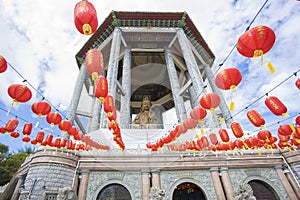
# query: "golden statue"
{"type": "Point", "coordinates": [146, 118]}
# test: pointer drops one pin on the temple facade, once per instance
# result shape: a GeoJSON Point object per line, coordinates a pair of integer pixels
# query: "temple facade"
{"type": "Point", "coordinates": [161, 58]}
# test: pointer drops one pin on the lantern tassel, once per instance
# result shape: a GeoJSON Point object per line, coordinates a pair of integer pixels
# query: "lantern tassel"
{"type": "Point", "coordinates": [232, 88]}
{"type": "Point", "coordinates": [260, 53]}
{"type": "Point", "coordinates": [271, 68]}
{"type": "Point", "coordinates": [12, 104]}
{"type": "Point", "coordinates": [231, 107]}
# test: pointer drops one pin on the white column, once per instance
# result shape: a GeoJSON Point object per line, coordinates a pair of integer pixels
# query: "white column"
{"type": "Point", "coordinates": [288, 188]}
{"type": "Point", "coordinates": [226, 182]}
{"type": "Point", "coordinates": [76, 93]}
{"type": "Point", "coordinates": [125, 118]}
{"type": "Point", "coordinates": [175, 86]}
{"type": "Point", "coordinates": [191, 64]}
{"type": "Point", "coordinates": [112, 71]}
{"type": "Point", "coordinates": [145, 185]}
{"type": "Point", "coordinates": [214, 172]}
{"type": "Point", "coordinates": [83, 185]}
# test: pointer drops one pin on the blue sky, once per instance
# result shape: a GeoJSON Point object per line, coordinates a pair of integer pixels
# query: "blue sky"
{"type": "Point", "coordinates": [40, 40]}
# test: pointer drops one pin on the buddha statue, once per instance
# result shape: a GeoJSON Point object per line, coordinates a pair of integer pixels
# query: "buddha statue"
{"type": "Point", "coordinates": [146, 118]}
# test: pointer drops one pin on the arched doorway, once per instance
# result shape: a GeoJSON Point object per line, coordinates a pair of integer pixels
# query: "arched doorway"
{"type": "Point", "coordinates": [262, 190]}
{"type": "Point", "coordinates": [114, 192]}
{"type": "Point", "coordinates": [188, 191]}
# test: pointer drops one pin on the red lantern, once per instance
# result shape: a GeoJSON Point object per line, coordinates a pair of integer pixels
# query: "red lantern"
{"type": "Point", "coordinates": [298, 120]}
{"type": "Point", "coordinates": [228, 78]}
{"type": "Point", "coordinates": [237, 129]}
{"type": "Point", "coordinates": [94, 63]}
{"type": "Point", "coordinates": [284, 138]}
{"type": "Point", "coordinates": [3, 64]}
{"type": "Point", "coordinates": [213, 138]}
{"type": "Point", "coordinates": [53, 118]}
{"type": "Point", "coordinates": [85, 17]}
{"type": "Point", "coordinates": [101, 88]}
{"type": "Point", "coordinates": [41, 108]}
{"type": "Point", "coordinates": [198, 113]}
{"type": "Point", "coordinates": [14, 134]}
{"type": "Point", "coordinates": [73, 131]}
{"type": "Point", "coordinates": [65, 125]}
{"type": "Point", "coordinates": [255, 118]}
{"type": "Point", "coordinates": [27, 131]}
{"type": "Point", "coordinates": [109, 104]}
{"type": "Point", "coordinates": [297, 83]}
{"type": "Point", "coordinates": [239, 144]}
{"type": "Point", "coordinates": [204, 141]}
{"type": "Point", "coordinates": [276, 106]}
{"type": "Point", "coordinates": [210, 101]}
{"type": "Point", "coordinates": [26, 139]}
{"type": "Point", "coordinates": [264, 135]}
{"type": "Point", "coordinates": [224, 135]}
{"type": "Point", "coordinates": [113, 115]}
{"type": "Point", "coordinates": [19, 93]}
{"type": "Point", "coordinates": [11, 125]}
{"type": "Point", "coordinates": [2, 130]}
{"type": "Point", "coordinates": [40, 136]}
{"type": "Point", "coordinates": [49, 139]}
{"type": "Point", "coordinates": [256, 41]}
{"type": "Point", "coordinates": [285, 129]}
{"type": "Point", "coordinates": [190, 123]}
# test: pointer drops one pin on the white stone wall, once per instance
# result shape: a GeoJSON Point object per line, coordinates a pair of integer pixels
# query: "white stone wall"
{"type": "Point", "coordinates": [132, 181]}
{"type": "Point", "coordinates": [52, 176]}
{"type": "Point", "coordinates": [267, 175]}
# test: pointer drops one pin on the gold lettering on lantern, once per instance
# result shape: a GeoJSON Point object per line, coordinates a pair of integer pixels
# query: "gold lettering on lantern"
{"type": "Point", "coordinates": [273, 104]}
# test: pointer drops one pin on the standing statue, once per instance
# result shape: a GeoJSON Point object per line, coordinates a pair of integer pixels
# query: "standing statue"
{"type": "Point", "coordinates": [156, 194]}
{"type": "Point", "coordinates": [244, 192]}
{"type": "Point", "coordinates": [146, 117]}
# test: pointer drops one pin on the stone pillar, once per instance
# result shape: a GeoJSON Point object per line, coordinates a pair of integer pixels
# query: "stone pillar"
{"type": "Point", "coordinates": [293, 183]}
{"type": "Point", "coordinates": [125, 119]}
{"type": "Point", "coordinates": [76, 94]}
{"type": "Point", "coordinates": [191, 64]}
{"type": "Point", "coordinates": [156, 178]}
{"type": "Point", "coordinates": [76, 180]}
{"type": "Point", "coordinates": [214, 172]}
{"type": "Point", "coordinates": [20, 182]}
{"type": "Point", "coordinates": [145, 185]}
{"type": "Point", "coordinates": [95, 121]}
{"type": "Point", "coordinates": [113, 66]}
{"type": "Point", "coordinates": [288, 188]}
{"type": "Point", "coordinates": [175, 86]}
{"type": "Point", "coordinates": [223, 106]}
{"type": "Point", "coordinates": [83, 185]}
{"type": "Point", "coordinates": [226, 182]}
{"type": "Point", "coordinates": [192, 92]}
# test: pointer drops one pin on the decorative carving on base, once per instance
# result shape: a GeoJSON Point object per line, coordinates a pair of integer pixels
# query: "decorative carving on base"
{"type": "Point", "coordinates": [66, 193]}
{"type": "Point", "coordinates": [244, 192]}
{"type": "Point", "coordinates": [156, 194]}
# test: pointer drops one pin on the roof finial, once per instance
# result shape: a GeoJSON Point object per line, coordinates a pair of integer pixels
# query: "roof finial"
{"type": "Point", "coordinates": [181, 22]}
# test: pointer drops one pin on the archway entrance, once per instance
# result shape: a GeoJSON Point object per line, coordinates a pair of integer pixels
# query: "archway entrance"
{"type": "Point", "coordinates": [262, 190]}
{"type": "Point", "coordinates": [114, 192]}
{"type": "Point", "coordinates": [188, 191]}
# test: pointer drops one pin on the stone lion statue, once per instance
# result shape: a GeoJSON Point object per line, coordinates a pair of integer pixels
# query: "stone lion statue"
{"type": "Point", "coordinates": [244, 192]}
{"type": "Point", "coordinates": [66, 193]}
{"type": "Point", "coordinates": [156, 194]}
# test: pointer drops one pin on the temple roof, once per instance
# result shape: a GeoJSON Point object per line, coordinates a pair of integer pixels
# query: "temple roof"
{"type": "Point", "coordinates": [147, 19]}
